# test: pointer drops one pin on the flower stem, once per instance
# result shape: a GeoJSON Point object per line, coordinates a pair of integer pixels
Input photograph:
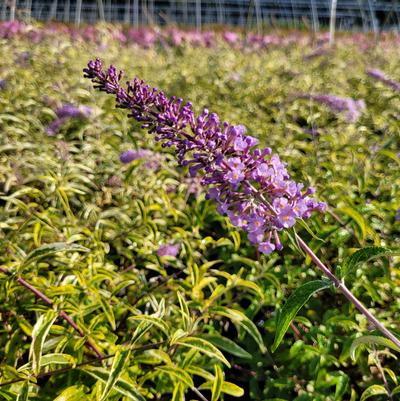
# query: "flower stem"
{"type": "Point", "coordinates": [347, 293]}
{"type": "Point", "coordinates": [63, 314]}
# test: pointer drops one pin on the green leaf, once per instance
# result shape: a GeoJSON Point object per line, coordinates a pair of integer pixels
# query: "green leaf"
{"type": "Point", "coordinates": [363, 255]}
{"type": "Point", "coordinates": [24, 393]}
{"type": "Point", "coordinates": [148, 321]}
{"type": "Point", "coordinates": [120, 359]}
{"type": "Point", "coordinates": [217, 386]}
{"type": "Point", "coordinates": [178, 394]}
{"type": "Point", "coordinates": [227, 345]}
{"type": "Point", "coordinates": [358, 218]}
{"type": "Point", "coordinates": [242, 320]}
{"type": "Point", "coordinates": [152, 321]}
{"type": "Point", "coordinates": [294, 303]}
{"type": "Point", "coordinates": [342, 382]}
{"type": "Point", "coordinates": [182, 376]}
{"type": "Point", "coordinates": [184, 312]}
{"type": "Point", "coordinates": [57, 359]}
{"type": "Point", "coordinates": [7, 396]}
{"type": "Point", "coordinates": [39, 334]}
{"type": "Point", "coordinates": [122, 386]}
{"type": "Point", "coordinates": [372, 391]}
{"type": "Point", "coordinates": [50, 249]}
{"type": "Point", "coordinates": [227, 388]}
{"type": "Point", "coordinates": [108, 311]}
{"type": "Point", "coordinates": [203, 346]}
{"type": "Point", "coordinates": [376, 340]}
{"type": "Point", "coordinates": [73, 393]}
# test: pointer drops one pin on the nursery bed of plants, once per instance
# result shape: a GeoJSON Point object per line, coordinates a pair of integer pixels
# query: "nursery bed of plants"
{"type": "Point", "coordinates": [121, 279]}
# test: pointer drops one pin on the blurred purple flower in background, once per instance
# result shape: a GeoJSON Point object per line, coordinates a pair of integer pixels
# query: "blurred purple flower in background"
{"type": "Point", "coordinates": [230, 37]}
{"type": "Point", "coordinates": [320, 51]}
{"type": "Point", "coordinates": [352, 108]}
{"type": "Point", "coordinates": [251, 186]}
{"type": "Point", "coordinates": [169, 250]}
{"type": "Point", "coordinates": [71, 111]}
{"type": "Point", "coordinates": [23, 58]}
{"type": "Point", "coordinates": [152, 160]}
{"type": "Point", "coordinates": [3, 84]}
{"type": "Point", "coordinates": [380, 76]}
{"type": "Point", "coordinates": [397, 216]}
{"type": "Point", "coordinates": [64, 113]}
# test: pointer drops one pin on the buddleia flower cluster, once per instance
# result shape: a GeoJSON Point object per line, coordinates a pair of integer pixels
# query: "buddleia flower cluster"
{"type": "Point", "coordinates": [251, 185]}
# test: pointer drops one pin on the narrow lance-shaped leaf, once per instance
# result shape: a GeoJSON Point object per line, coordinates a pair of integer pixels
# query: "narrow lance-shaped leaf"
{"type": "Point", "coordinates": [57, 359]}
{"type": "Point", "coordinates": [108, 311]}
{"type": "Point", "coordinates": [24, 393]}
{"type": "Point", "coordinates": [152, 321]}
{"type": "Point", "coordinates": [227, 345]}
{"type": "Point", "coordinates": [147, 321]}
{"type": "Point", "coordinates": [49, 249]}
{"type": "Point", "coordinates": [372, 391]}
{"type": "Point", "coordinates": [122, 386]}
{"type": "Point", "coordinates": [294, 303]}
{"type": "Point", "coordinates": [227, 388]}
{"type": "Point", "coordinates": [218, 382]}
{"type": "Point", "coordinates": [184, 312]}
{"type": "Point", "coordinates": [363, 255]}
{"type": "Point", "coordinates": [241, 319]}
{"type": "Point", "coordinates": [182, 376]}
{"type": "Point", "coordinates": [178, 394]}
{"type": "Point", "coordinates": [39, 334]}
{"type": "Point", "coordinates": [73, 393]}
{"type": "Point", "coordinates": [117, 368]}
{"type": "Point", "coordinates": [203, 346]}
{"type": "Point", "coordinates": [376, 340]}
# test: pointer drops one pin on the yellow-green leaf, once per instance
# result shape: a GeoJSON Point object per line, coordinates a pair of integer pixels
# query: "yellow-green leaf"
{"type": "Point", "coordinates": [203, 346]}
{"type": "Point", "coordinates": [218, 382]}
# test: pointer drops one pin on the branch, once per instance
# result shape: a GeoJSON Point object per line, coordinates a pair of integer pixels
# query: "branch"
{"type": "Point", "coordinates": [78, 365]}
{"type": "Point", "coordinates": [347, 293]}
{"type": "Point", "coordinates": [63, 314]}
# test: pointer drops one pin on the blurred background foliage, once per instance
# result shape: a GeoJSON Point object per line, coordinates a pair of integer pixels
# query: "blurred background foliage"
{"type": "Point", "coordinates": [207, 311]}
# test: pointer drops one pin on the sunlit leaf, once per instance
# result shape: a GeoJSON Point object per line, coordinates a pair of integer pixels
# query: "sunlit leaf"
{"type": "Point", "coordinates": [372, 391]}
{"type": "Point", "coordinates": [39, 333]}
{"type": "Point", "coordinates": [294, 303]}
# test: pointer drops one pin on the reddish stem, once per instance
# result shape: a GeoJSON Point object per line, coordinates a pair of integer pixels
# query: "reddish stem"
{"type": "Point", "coordinates": [347, 293]}
{"type": "Point", "coordinates": [63, 314]}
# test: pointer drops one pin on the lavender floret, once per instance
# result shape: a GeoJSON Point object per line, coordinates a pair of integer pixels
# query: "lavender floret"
{"type": "Point", "coordinates": [251, 185]}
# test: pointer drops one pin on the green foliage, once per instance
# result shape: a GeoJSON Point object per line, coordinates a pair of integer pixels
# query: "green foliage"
{"type": "Point", "coordinates": [39, 334]}
{"type": "Point", "coordinates": [294, 303]}
{"type": "Point", "coordinates": [84, 229]}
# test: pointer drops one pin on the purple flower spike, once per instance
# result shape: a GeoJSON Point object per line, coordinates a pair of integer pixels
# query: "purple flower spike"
{"type": "Point", "coordinates": [251, 185]}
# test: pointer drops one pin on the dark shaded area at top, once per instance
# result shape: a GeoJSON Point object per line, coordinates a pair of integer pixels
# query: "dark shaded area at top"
{"type": "Point", "coordinates": [365, 15]}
